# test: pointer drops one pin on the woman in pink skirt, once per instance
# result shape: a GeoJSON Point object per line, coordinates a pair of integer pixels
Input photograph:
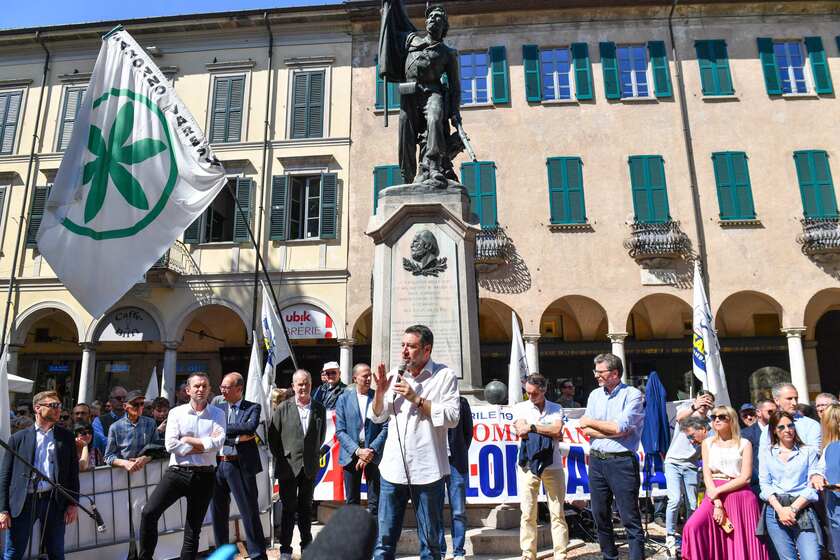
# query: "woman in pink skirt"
{"type": "Point", "coordinates": [727, 468]}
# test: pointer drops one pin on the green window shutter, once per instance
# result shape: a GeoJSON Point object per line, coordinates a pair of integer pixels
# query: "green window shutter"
{"type": "Point", "coordinates": [384, 176]}
{"type": "Point", "coordinates": [480, 179]}
{"type": "Point", "coordinates": [72, 104]}
{"type": "Point", "coordinates": [221, 94]}
{"type": "Point", "coordinates": [609, 66]}
{"type": "Point", "coordinates": [583, 71]}
{"type": "Point", "coordinates": [9, 112]}
{"type": "Point", "coordinates": [705, 60]}
{"type": "Point", "coordinates": [659, 66]}
{"type": "Point", "coordinates": [226, 119]}
{"type": "Point", "coordinates": [819, 65]}
{"type": "Point", "coordinates": [769, 66]}
{"type": "Point", "coordinates": [499, 75]}
{"type": "Point", "coordinates": [565, 189]}
{"type": "Point", "coordinates": [192, 235]}
{"type": "Point", "coordinates": [715, 76]}
{"type": "Point", "coordinates": [329, 205]}
{"type": "Point", "coordinates": [308, 105]}
{"type": "Point", "coordinates": [533, 79]}
{"type": "Point", "coordinates": [815, 184]}
{"type": "Point", "coordinates": [245, 198]}
{"type": "Point", "coordinates": [36, 213]}
{"type": "Point", "coordinates": [234, 109]}
{"type": "Point", "coordinates": [650, 194]}
{"type": "Point", "coordinates": [315, 124]}
{"type": "Point", "coordinates": [733, 186]}
{"type": "Point", "coordinates": [279, 195]}
{"type": "Point", "coordinates": [393, 92]}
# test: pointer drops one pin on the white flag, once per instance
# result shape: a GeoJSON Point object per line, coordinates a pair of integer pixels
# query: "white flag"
{"type": "Point", "coordinates": [274, 335]}
{"type": "Point", "coordinates": [5, 406]}
{"type": "Point", "coordinates": [253, 384]}
{"type": "Point", "coordinates": [706, 353]}
{"type": "Point", "coordinates": [518, 367]}
{"type": "Point", "coordinates": [138, 171]}
{"type": "Point", "coordinates": [152, 391]}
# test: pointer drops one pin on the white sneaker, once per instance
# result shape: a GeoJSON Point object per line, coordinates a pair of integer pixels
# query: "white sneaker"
{"type": "Point", "coordinates": [671, 546]}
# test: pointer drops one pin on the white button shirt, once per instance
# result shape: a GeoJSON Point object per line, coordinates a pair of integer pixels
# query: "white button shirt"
{"type": "Point", "coordinates": [209, 425]}
{"type": "Point", "coordinates": [423, 437]}
{"type": "Point", "coordinates": [551, 412]}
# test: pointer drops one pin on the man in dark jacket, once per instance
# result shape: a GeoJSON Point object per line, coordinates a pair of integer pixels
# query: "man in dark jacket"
{"type": "Point", "coordinates": [52, 450]}
{"type": "Point", "coordinates": [460, 438]}
{"type": "Point", "coordinates": [295, 435]}
{"type": "Point", "coordinates": [238, 466]}
{"type": "Point", "coordinates": [332, 387]}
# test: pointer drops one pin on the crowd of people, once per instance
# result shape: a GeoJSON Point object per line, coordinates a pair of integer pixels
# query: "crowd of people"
{"type": "Point", "coordinates": [766, 472]}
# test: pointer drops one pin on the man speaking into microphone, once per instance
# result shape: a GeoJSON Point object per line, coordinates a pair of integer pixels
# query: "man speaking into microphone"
{"type": "Point", "coordinates": [420, 400]}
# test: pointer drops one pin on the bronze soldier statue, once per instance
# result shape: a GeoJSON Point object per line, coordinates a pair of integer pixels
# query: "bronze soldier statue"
{"type": "Point", "coordinates": [430, 93]}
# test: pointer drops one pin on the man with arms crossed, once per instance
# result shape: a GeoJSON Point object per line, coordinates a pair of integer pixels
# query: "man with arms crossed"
{"type": "Point", "coordinates": [420, 406]}
{"type": "Point", "coordinates": [613, 421]}
{"type": "Point", "coordinates": [195, 432]}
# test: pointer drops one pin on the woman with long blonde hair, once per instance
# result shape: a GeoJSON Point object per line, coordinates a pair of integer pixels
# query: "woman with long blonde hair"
{"type": "Point", "coordinates": [828, 471]}
{"type": "Point", "coordinates": [723, 527]}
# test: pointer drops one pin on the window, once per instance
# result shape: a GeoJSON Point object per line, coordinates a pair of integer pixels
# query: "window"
{"type": "Point", "coordinates": [786, 71]}
{"type": "Point", "coordinates": [393, 92]}
{"type": "Point", "coordinates": [384, 176]}
{"type": "Point", "coordinates": [308, 104]}
{"type": "Point", "coordinates": [226, 114]}
{"type": "Point", "coordinates": [815, 184]}
{"type": "Point", "coordinates": [650, 194]}
{"type": "Point", "coordinates": [715, 77]}
{"type": "Point", "coordinates": [304, 207]}
{"type": "Point", "coordinates": [475, 69]}
{"type": "Point", "coordinates": [222, 221]}
{"type": "Point", "coordinates": [565, 190]}
{"type": "Point", "coordinates": [9, 112]}
{"type": "Point", "coordinates": [70, 108]}
{"type": "Point", "coordinates": [36, 213]}
{"type": "Point", "coordinates": [732, 178]}
{"type": "Point", "coordinates": [480, 179]}
{"type": "Point", "coordinates": [555, 73]}
{"type": "Point", "coordinates": [626, 74]}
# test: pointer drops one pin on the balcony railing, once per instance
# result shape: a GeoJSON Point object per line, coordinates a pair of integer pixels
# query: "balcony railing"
{"type": "Point", "coordinates": [492, 248]}
{"type": "Point", "coordinates": [820, 236]}
{"type": "Point", "coordinates": [174, 263]}
{"type": "Point", "coordinates": [657, 241]}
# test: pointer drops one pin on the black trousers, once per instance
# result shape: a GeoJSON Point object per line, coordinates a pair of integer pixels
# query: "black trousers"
{"type": "Point", "coordinates": [296, 495]}
{"type": "Point", "coordinates": [616, 478]}
{"type": "Point", "coordinates": [353, 485]}
{"type": "Point", "coordinates": [197, 488]}
{"type": "Point", "coordinates": [231, 480]}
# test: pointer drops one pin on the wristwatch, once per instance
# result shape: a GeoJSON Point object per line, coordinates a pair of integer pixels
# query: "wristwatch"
{"type": "Point", "coordinates": [533, 429]}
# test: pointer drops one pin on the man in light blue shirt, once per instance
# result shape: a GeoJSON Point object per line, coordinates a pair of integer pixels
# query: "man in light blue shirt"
{"type": "Point", "coordinates": [808, 430]}
{"type": "Point", "coordinates": [613, 423]}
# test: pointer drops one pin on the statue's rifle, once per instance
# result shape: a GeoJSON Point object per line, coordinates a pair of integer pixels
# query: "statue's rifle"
{"type": "Point", "coordinates": [465, 139]}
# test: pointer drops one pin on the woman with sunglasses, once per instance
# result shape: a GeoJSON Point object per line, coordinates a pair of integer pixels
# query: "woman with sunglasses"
{"type": "Point", "coordinates": [827, 471]}
{"type": "Point", "coordinates": [791, 522]}
{"type": "Point", "coordinates": [723, 527]}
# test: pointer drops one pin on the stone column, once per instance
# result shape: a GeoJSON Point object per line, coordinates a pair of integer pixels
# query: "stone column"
{"type": "Point", "coordinates": [13, 358]}
{"type": "Point", "coordinates": [617, 340]}
{"type": "Point", "coordinates": [345, 359]}
{"type": "Point", "coordinates": [86, 373]}
{"type": "Point", "coordinates": [532, 352]}
{"type": "Point", "coordinates": [170, 359]}
{"type": "Point", "coordinates": [798, 374]}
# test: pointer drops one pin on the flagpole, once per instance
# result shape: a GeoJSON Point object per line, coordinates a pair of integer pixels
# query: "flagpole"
{"type": "Point", "coordinates": [261, 265]}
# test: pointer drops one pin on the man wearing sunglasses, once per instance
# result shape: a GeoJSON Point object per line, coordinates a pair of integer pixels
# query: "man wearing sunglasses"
{"type": "Point", "coordinates": [51, 449]}
{"type": "Point", "coordinates": [102, 423]}
{"type": "Point", "coordinates": [130, 434]}
{"type": "Point", "coordinates": [328, 392]}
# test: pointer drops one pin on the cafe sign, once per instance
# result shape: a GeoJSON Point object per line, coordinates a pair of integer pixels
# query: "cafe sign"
{"type": "Point", "coordinates": [129, 324]}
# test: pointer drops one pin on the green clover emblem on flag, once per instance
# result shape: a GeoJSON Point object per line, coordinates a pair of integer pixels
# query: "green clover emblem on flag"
{"type": "Point", "coordinates": [116, 155]}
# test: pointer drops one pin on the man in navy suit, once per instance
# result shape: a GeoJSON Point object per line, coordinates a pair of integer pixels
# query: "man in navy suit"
{"type": "Point", "coordinates": [51, 449]}
{"type": "Point", "coordinates": [238, 465]}
{"type": "Point", "coordinates": [360, 439]}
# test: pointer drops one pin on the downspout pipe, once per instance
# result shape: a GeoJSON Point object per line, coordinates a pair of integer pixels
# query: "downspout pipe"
{"type": "Point", "coordinates": [26, 185]}
{"type": "Point", "coordinates": [266, 141]}
{"type": "Point", "coordinates": [689, 153]}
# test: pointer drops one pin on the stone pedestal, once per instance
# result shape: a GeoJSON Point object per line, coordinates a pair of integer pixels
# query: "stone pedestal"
{"type": "Point", "coordinates": [424, 273]}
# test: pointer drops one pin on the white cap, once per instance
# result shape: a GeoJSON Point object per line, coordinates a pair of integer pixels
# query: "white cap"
{"type": "Point", "coordinates": [330, 365]}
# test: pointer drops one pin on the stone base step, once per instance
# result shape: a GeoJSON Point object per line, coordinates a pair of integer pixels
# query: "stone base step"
{"type": "Point", "coordinates": [489, 516]}
{"type": "Point", "coordinates": [484, 541]}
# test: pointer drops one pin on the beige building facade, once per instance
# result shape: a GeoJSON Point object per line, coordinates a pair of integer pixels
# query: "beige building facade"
{"type": "Point", "coordinates": [618, 143]}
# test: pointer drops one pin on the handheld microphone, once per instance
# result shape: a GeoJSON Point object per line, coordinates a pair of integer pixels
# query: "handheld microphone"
{"type": "Point", "coordinates": [97, 518]}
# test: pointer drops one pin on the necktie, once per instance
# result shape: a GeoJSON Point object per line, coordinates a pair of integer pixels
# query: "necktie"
{"type": "Point", "coordinates": [232, 414]}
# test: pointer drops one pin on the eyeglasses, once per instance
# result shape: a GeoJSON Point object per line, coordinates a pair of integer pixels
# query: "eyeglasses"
{"type": "Point", "coordinates": [747, 414]}
{"type": "Point", "coordinates": [135, 404]}
{"type": "Point", "coordinates": [83, 433]}
{"type": "Point", "coordinates": [331, 372]}
{"type": "Point", "coordinates": [52, 405]}
{"type": "Point", "coordinates": [117, 398]}
{"type": "Point", "coordinates": [601, 371]}
{"type": "Point", "coordinates": [783, 427]}
{"type": "Point", "coordinates": [721, 417]}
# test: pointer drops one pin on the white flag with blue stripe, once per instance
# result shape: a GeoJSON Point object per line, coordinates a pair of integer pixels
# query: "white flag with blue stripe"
{"type": "Point", "coordinates": [706, 352]}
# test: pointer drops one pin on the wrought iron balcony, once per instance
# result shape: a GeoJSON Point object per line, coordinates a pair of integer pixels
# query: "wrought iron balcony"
{"type": "Point", "coordinates": [652, 242]}
{"type": "Point", "coordinates": [492, 248]}
{"type": "Point", "coordinates": [174, 263]}
{"type": "Point", "coordinates": [820, 237]}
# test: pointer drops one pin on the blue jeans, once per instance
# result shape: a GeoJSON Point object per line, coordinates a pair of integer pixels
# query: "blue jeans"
{"type": "Point", "coordinates": [393, 499]}
{"type": "Point", "coordinates": [789, 541]}
{"type": "Point", "coordinates": [456, 486]}
{"type": "Point", "coordinates": [52, 526]}
{"type": "Point", "coordinates": [682, 481]}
